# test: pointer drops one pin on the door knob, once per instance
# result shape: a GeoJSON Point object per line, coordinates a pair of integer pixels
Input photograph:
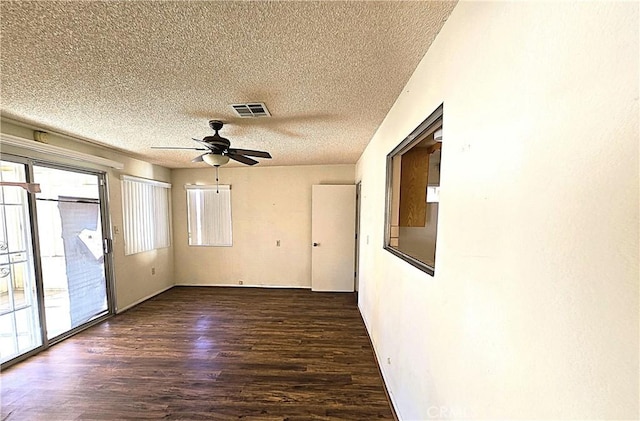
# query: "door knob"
{"type": "Point", "coordinates": [316, 244]}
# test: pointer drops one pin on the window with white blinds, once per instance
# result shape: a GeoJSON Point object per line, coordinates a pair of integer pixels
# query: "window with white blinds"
{"type": "Point", "coordinates": [147, 214]}
{"type": "Point", "coordinates": [209, 221]}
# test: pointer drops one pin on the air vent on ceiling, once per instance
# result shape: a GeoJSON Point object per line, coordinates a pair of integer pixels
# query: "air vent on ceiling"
{"type": "Point", "coordinates": [251, 109]}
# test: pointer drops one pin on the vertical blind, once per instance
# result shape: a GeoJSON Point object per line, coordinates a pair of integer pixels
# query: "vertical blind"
{"type": "Point", "coordinates": [147, 214]}
{"type": "Point", "coordinates": [209, 210]}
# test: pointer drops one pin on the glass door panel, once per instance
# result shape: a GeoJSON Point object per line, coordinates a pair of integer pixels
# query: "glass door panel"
{"type": "Point", "coordinates": [70, 237]}
{"type": "Point", "coordinates": [20, 329]}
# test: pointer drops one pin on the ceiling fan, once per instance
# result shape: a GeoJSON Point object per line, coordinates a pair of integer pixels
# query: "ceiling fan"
{"type": "Point", "coordinates": [218, 151]}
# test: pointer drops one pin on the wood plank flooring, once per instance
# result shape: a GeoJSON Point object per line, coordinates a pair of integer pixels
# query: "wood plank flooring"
{"type": "Point", "coordinates": [205, 353]}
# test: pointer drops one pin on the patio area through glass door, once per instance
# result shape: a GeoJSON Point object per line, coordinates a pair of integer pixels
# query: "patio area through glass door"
{"type": "Point", "coordinates": [20, 330]}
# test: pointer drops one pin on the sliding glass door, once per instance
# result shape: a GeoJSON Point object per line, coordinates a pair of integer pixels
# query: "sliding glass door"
{"type": "Point", "coordinates": [54, 255]}
{"type": "Point", "coordinates": [20, 329]}
{"type": "Point", "coordinates": [71, 248]}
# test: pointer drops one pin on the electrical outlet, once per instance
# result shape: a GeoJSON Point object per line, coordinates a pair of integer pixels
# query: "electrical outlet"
{"type": "Point", "coordinates": [277, 243]}
{"type": "Point", "coordinates": [153, 271]}
{"type": "Point", "coordinates": [240, 282]}
{"type": "Point", "coordinates": [389, 360]}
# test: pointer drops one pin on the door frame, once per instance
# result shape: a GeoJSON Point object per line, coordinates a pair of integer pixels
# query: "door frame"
{"type": "Point", "coordinates": [358, 220]}
{"type": "Point", "coordinates": [109, 272]}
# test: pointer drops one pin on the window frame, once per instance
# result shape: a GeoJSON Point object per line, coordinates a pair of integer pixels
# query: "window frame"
{"type": "Point", "coordinates": [406, 144]}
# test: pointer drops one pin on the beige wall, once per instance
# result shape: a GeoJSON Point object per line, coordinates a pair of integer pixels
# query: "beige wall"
{"type": "Point", "coordinates": [267, 204]}
{"type": "Point", "coordinates": [533, 309]}
{"type": "Point", "coordinates": [133, 279]}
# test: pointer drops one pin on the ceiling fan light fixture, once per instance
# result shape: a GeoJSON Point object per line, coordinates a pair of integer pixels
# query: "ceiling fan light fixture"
{"type": "Point", "coordinates": [215, 160]}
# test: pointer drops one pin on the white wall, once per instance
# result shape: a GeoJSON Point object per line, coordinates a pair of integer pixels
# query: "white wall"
{"type": "Point", "coordinates": [133, 279]}
{"type": "Point", "coordinates": [533, 309]}
{"type": "Point", "coordinates": [267, 204]}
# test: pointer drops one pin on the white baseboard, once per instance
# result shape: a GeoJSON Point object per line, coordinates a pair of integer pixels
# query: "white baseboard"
{"type": "Point", "coordinates": [120, 310]}
{"type": "Point", "coordinates": [381, 366]}
{"type": "Point", "coordinates": [186, 284]}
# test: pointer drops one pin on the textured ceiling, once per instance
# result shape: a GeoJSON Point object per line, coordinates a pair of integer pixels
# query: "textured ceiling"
{"type": "Point", "coordinates": [135, 74]}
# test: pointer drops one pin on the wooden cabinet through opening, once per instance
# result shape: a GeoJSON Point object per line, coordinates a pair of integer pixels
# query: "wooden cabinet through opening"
{"type": "Point", "coordinates": [414, 177]}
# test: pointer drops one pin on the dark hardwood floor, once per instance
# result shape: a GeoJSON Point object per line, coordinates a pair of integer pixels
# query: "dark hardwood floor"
{"type": "Point", "coordinates": [196, 353]}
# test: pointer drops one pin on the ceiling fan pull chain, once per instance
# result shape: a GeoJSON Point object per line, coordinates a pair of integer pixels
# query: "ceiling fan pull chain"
{"type": "Point", "coordinates": [217, 189]}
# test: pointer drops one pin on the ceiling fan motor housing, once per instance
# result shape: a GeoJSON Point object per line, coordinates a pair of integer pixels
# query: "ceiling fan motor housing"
{"type": "Point", "coordinates": [217, 140]}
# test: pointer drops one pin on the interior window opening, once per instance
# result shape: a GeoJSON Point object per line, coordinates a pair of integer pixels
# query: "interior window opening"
{"type": "Point", "coordinates": [413, 194]}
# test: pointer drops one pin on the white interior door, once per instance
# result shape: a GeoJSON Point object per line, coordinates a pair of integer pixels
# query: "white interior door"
{"type": "Point", "coordinates": [333, 218]}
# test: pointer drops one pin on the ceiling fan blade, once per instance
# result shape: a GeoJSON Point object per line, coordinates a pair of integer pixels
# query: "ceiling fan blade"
{"type": "Point", "coordinates": [199, 158]}
{"type": "Point", "coordinates": [243, 159]}
{"type": "Point", "coordinates": [210, 146]}
{"type": "Point", "coordinates": [177, 147]}
{"type": "Point", "coordinates": [249, 152]}
{"type": "Point", "coordinates": [202, 142]}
